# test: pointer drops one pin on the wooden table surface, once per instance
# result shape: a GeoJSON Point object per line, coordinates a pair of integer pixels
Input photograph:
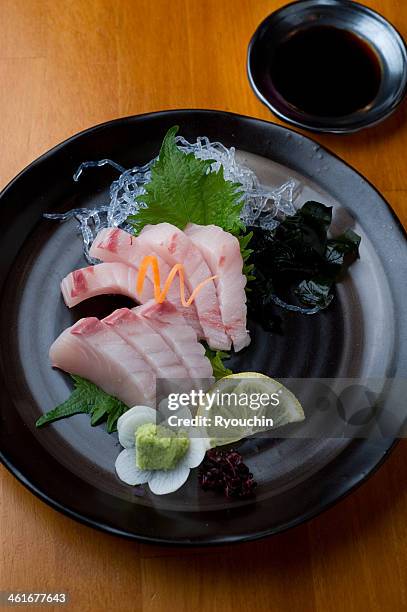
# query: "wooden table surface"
{"type": "Point", "coordinates": [64, 66]}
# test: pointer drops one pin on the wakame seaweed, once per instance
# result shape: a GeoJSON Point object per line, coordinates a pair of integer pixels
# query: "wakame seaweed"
{"type": "Point", "coordinates": [298, 263]}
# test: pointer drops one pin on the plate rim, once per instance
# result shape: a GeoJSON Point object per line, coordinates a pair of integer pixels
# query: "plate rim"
{"type": "Point", "coordinates": [388, 446]}
{"type": "Point", "coordinates": [207, 543]}
{"type": "Point", "coordinates": [49, 152]}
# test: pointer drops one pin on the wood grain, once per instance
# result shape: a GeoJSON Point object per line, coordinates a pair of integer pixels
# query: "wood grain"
{"type": "Point", "coordinates": [68, 64]}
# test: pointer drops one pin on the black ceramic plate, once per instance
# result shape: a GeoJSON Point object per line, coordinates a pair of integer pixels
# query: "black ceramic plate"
{"type": "Point", "coordinates": [70, 465]}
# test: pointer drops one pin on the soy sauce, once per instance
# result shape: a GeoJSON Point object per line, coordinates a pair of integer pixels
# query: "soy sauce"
{"type": "Point", "coordinates": [326, 71]}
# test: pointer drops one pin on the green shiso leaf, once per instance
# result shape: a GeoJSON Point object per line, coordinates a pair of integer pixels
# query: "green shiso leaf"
{"type": "Point", "coordinates": [216, 358]}
{"type": "Point", "coordinates": [183, 190]}
{"type": "Point", "coordinates": [87, 398]}
{"type": "Point", "coordinates": [248, 268]}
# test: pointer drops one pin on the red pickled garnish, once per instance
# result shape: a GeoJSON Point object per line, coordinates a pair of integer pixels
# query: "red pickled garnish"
{"type": "Point", "coordinates": [224, 471]}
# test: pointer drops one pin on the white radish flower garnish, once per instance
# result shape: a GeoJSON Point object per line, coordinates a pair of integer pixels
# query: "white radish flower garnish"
{"type": "Point", "coordinates": [140, 424]}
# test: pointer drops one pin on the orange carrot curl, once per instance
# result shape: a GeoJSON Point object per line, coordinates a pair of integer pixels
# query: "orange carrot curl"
{"type": "Point", "coordinates": [160, 295]}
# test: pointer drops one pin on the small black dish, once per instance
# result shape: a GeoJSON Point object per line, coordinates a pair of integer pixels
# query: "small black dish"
{"type": "Point", "coordinates": [328, 65]}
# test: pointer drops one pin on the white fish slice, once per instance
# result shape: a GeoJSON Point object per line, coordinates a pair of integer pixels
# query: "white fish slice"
{"type": "Point", "coordinates": [115, 245]}
{"type": "Point", "coordinates": [91, 350]}
{"type": "Point", "coordinates": [101, 279]}
{"type": "Point", "coordinates": [149, 343]}
{"type": "Point", "coordinates": [126, 353]}
{"type": "Point", "coordinates": [221, 252]}
{"type": "Point", "coordinates": [179, 336]}
{"type": "Point", "coordinates": [174, 246]}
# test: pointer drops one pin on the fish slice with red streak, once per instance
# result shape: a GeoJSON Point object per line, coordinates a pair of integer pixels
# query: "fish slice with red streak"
{"type": "Point", "coordinates": [102, 279]}
{"type": "Point", "coordinates": [170, 323]}
{"type": "Point", "coordinates": [174, 246]}
{"type": "Point", "coordinates": [148, 342]}
{"type": "Point", "coordinates": [116, 245]}
{"type": "Point", "coordinates": [92, 350]}
{"type": "Point", "coordinates": [221, 252]}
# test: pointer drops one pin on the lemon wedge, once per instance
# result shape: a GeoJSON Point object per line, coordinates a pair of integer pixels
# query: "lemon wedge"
{"type": "Point", "coordinates": [235, 399]}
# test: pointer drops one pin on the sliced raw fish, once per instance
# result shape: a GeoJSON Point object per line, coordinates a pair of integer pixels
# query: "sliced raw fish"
{"type": "Point", "coordinates": [174, 246]}
{"type": "Point", "coordinates": [132, 327]}
{"type": "Point", "coordinates": [101, 279]}
{"type": "Point", "coordinates": [125, 353]}
{"type": "Point", "coordinates": [181, 338]}
{"type": "Point", "coordinates": [221, 252]}
{"type": "Point", "coordinates": [115, 245]}
{"type": "Point", "coordinates": [92, 350]}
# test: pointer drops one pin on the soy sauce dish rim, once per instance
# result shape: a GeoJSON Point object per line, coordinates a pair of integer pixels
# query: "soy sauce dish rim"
{"type": "Point", "coordinates": [356, 121]}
